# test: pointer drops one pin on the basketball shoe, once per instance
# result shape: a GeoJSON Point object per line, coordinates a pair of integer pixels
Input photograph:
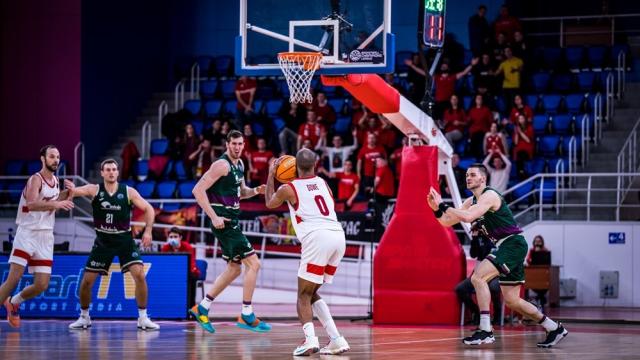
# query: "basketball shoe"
{"type": "Point", "coordinates": [480, 337]}
{"type": "Point", "coordinates": [202, 317]}
{"type": "Point", "coordinates": [554, 337]}
{"type": "Point", "coordinates": [335, 346]}
{"type": "Point", "coordinates": [13, 314]}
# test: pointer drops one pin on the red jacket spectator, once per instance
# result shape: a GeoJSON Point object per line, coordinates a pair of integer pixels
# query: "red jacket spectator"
{"type": "Point", "coordinates": [310, 130]}
{"type": "Point", "coordinates": [384, 182]}
{"type": "Point", "coordinates": [259, 163]}
{"type": "Point", "coordinates": [325, 113]}
{"type": "Point", "coordinates": [446, 82]}
{"type": "Point", "coordinates": [396, 158]}
{"type": "Point", "coordinates": [451, 116]}
{"type": "Point", "coordinates": [525, 110]}
{"type": "Point", "coordinates": [245, 90]}
{"type": "Point", "coordinates": [524, 144]}
{"type": "Point", "coordinates": [481, 119]}
{"type": "Point", "coordinates": [346, 184]}
{"type": "Point", "coordinates": [368, 154]}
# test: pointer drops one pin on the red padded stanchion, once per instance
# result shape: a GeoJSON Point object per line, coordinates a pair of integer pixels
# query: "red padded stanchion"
{"type": "Point", "coordinates": [418, 262]}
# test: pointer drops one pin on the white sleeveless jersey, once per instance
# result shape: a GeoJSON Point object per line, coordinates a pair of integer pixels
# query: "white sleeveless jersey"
{"type": "Point", "coordinates": [38, 220]}
{"type": "Point", "coordinates": [314, 209]}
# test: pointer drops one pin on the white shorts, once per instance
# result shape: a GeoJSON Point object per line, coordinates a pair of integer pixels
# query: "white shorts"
{"type": "Point", "coordinates": [33, 248]}
{"type": "Point", "coordinates": [322, 251]}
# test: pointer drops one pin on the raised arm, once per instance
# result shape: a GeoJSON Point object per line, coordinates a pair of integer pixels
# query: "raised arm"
{"type": "Point", "coordinates": [89, 190]}
{"type": "Point", "coordinates": [218, 169]}
{"type": "Point", "coordinates": [149, 214]}
{"type": "Point", "coordinates": [487, 201]}
{"type": "Point", "coordinates": [443, 218]}
{"type": "Point", "coordinates": [31, 195]}
{"type": "Point", "coordinates": [273, 199]}
{"type": "Point", "coordinates": [464, 72]}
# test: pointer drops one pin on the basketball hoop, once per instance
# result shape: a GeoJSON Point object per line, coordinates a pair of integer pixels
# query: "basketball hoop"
{"type": "Point", "coordinates": [298, 69]}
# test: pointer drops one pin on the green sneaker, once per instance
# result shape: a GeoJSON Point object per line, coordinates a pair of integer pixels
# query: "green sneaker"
{"type": "Point", "coordinates": [252, 323]}
{"type": "Point", "coordinates": [202, 317]}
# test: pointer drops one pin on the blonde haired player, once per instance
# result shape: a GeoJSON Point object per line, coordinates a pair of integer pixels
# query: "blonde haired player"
{"type": "Point", "coordinates": [33, 244]}
{"type": "Point", "coordinates": [323, 244]}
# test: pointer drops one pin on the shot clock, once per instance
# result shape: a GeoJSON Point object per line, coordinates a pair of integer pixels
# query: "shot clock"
{"type": "Point", "coordinates": [433, 26]}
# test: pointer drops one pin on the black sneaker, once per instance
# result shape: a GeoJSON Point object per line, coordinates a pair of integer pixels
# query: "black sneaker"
{"type": "Point", "coordinates": [479, 337]}
{"type": "Point", "coordinates": [554, 337]}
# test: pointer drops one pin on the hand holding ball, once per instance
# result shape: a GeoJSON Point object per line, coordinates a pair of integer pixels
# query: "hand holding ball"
{"type": "Point", "coordinates": [286, 169]}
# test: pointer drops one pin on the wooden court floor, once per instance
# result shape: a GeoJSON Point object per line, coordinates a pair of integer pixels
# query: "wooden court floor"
{"type": "Point", "coordinates": [50, 339]}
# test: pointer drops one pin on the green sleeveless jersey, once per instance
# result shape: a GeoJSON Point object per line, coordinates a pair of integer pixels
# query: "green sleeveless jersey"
{"type": "Point", "coordinates": [224, 195]}
{"type": "Point", "coordinates": [497, 225]}
{"type": "Point", "coordinates": [112, 213]}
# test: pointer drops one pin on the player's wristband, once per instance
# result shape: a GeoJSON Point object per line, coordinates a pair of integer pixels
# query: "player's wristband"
{"type": "Point", "coordinates": [443, 207]}
{"type": "Point", "coordinates": [438, 213]}
{"type": "Point", "coordinates": [255, 191]}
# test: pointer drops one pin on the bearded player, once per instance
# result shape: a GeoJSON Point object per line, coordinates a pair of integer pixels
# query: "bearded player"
{"type": "Point", "coordinates": [323, 244]}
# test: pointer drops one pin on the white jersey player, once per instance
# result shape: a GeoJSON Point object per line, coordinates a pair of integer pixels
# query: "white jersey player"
{"type": "Point", "coordinates": [323, 242]}
{"type": "Point", "coordinates": [33, 242]}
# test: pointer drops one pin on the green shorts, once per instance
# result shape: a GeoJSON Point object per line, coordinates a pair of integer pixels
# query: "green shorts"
{"type": "Point", "coordinates": [106, 247]}
{"type": "Point", "coordinates": [234, 244]}
{"type": "Point", "coordinates": [508, 258]}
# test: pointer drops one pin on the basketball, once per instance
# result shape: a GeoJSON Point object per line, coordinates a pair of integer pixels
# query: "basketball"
{"type": "Point", "coordinates": [286, 170]}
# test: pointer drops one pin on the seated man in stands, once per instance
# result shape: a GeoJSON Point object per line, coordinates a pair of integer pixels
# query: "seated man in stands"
{"type": "Point", "coordinates": [176, 243]}
{"type": "Point", "coordinates": [538, 247]}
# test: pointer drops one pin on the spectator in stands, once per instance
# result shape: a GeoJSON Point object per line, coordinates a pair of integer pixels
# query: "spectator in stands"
{"type": "Point", "coordinates": [538, 246]}
{"type": "Point", "coordinates": [250, 139]}
{"type": "Point", "coordinates": [520, 108]}
{"type": "Point", "coordinates": [494, 140]}
{"type": "Point", "coordinates": [387, 134]}
{"type": "Point", "coordinates": [511, 68]}
{"type": "Point", "coordinates": [383, 182]}
{"type": "Point", "coordinates": [479, 249]}
{"type": "Point", "coordinates": [325, 113]}
{"type": "Point", "coordinates": [369, 125]}
{"type": "Point", "coordinates": [218, 142]}
{"type": "Point", "coordinates": [483, 75]}
{"type": "Point", "coordinates": [396, 158]}
{"type": "Point", "coordinates": [524, 144]}
{"type": "Point", "coordinates": [445, 85]}
{"type": "Point", "coordinates": [245, 93]}
{"type": "Point", "coordinates": [176, 243]}
{"type": "Point", "coordinates": [391, 80]}
{"type": "Point", "coordinates": [338, 154]}
{"type": "Point", "coordinates": [224, 130]}
{"type": "Point", "coordinates": [506, 24]}
{"type": "Point", "coordinates": [518, 46]}
{"type": "Point", "coordinates": [190, 144]}
{"type": "Point", "coordinates": [416, 76]}
{"type": "Point", "coordinates": [311, 131]}
{"type": "Point", "coordinates": [499, 169]}
{"type": "Point", "coordinates": [202, 158]}
{"type": "Point", "coordinates": [259, 163]}
{"type": "Point", "coordinates": [459, 174]}
{"type": "Point", "coordinates": [293, 115]}
{"type": "Point", "coordinates": [480, 119]}
{"type": "Point", "coordinates": [359, 113]}
{"type": "Point", "coordinates": [455, 121]}
{"type": "Point", "coordinates": [366, 165]}
{"type": "Point", "coordinates": [479, 31]}
{"type": "Point", "coordinates": [348, 183]}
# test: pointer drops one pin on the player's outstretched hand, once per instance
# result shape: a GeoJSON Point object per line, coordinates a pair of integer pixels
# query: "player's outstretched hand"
{"type": "Point", "coordinates": [64, 205]}
{"type": "Point", "coordinates": [433, 199]}
{"type": "Point", "coordinates": [261, 188]}
{"type": "Point", "coordinates": [219, 221]}
{"type": "Point", "coordinates": [68, 184]}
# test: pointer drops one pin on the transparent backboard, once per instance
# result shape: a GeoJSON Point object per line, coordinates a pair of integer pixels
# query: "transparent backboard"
{"type": "Point", "coordinates": [353, 35]}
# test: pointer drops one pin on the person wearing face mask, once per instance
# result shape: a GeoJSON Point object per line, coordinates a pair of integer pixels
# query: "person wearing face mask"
{"type": "Point", "coordinates": [538, 246]}
{"type": "Point", "coordinates": [175, 243]}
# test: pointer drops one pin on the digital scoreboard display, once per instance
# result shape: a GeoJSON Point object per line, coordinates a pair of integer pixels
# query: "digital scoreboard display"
{"type": "Point", "coordinates": [433, 27]}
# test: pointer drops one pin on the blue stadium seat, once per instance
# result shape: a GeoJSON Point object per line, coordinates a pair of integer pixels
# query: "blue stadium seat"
{"type": "Point", "coordinates": [231, 106]}
{"type": "Point", "coordinates": [208, 89]}
{"type": "Point", "coordinates": [198, 126]}
{"type": "Point", "coordinates": [466, 102]}
{"type": "Point", "coordinates": [193, 106]}
{"type": "Point", "coordinates": [342, 125]}
{"type": "Point", "coordinates": [561, 83]}
{"type": "Point", "coordinates": [159, 146]}
{"type": "Point", "coordinates": [185, 188]}
{"type": "Point", "coordinates": [179, 169]}
{"type": "Point", "coordinates": [562, 124]}
{"type": "Point", "coordinates": [262, 59]}
{"type": "Point", "coordinates": [258, 105]}
{"type": "Point", "coordinates": [553, 163]}
{"type": "Point", "coordinates": [524, 193]}
{"type": "Point", "coordinates": [540, 82]}
{"type": "Point", "coordinates": [205, 65]}
{"type": "Point", "coordinates": [596, 55]}
{"type": "Point", "coordinates": [129, 183]}
{"type": "Point", "coordinates": [272, 107]}
{"type": "Point", "coordinates": [548, 145]}
{"type": "Point", "coordinates": [278, 124]}
{"type": "Point", "coordinates": [401, 56]}
{"type": "Point", "coordinates": [460, 147]}
{"type": "Point", "coordinates": [574, 103]}
{"type": "Point", "coordinates": [548, 190]}
{"type": "Point", "coordinates": [589, 124]}
{"type": "Point", "coordinates": [329, 91]}
{"type": "Point", "coordinates": [565, 145]}
{"type": "Point", "coordinates": [14, 190]}
{"type": "Point", "coordinates": [142, 169]}
{"type": "Point", "coordinates": [501, 105]}
{"type": "Point", "coordinates": [551, 103]}
{"type": "Point", "coordinates": [586, 80]}
{"type": "Point", "coordinates": [33, 166]}
{"type": "Point", "coordinates": [535, 166]}
{"type": "Point", "coordinates": [283, 88]}
{"type": "Point", "coordinates": [223, 65]}
{"type": "Point", "coordinates": [202, 267]}
{"type": "Point", "coordinates": [574, 56]}
{"type": "Point", "coordinates": [166, 189]}
{"type": "Point", "coordinates": [551, 57]}
{"type": "Point", "coordinates": [228, 89]}
{"type": "Point", "coordinates": [14, 167]}
{"type": "Point", "coordinates": [212, 108]}
{"type": "Point", "coordinates": [337, 105]}
{"type": "Point", "coordinates": [466, 162]}
{"type": "Point", "coordinates": [540, 123]}
{"type": "Point", "coordinates": [146, 188]}
{"type": "Point", "coordinates": [62, 168]}
{"type": "Point", "coordinates": [258, 129]}
{"type": "Point", "coordinates": [532, 101]}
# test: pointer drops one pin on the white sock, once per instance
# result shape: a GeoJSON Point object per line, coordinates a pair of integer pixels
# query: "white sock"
{"type": "Point", "coordinates": [84, 313]}
{"type": "Point", "coordinates": [321, 310]}
{"type": "Point", "coordinates": [206, 302]}
{"type": "Point", "coordinates": [142, 313]}
{"type": "Point", "coordinates": [548, 324]}
{"type": "Point", "coordinates": [247, 309]}
{"type": "Point", "coordinates": [485, 322]}
{"type": "Point", "coordinates": [309, 331]}
{"type": "Point", "coordinates": [17, 299]}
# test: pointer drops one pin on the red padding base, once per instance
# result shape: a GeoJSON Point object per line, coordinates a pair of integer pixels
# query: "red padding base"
{"type": "Point", "coordinates": [370, 89]}
{"type": "Point", "coordinates": [418, 262]}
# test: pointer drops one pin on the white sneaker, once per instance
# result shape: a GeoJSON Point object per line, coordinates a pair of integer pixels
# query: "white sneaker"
{"type": "Point", "coordinates": [83, 323]}
{"type": "Point", "coordinates": [308, 347]}
{"type": "Point", "coordinates": [335, 347]}
{"type": "Point", "coordinates": [146, 324]}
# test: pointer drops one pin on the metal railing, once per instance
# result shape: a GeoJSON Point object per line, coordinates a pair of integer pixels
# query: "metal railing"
{"type": "Point", "coordinates": [178, 96]}
{"type": "Point", "coordinates": [628, 159]}
{"type": "Point", "coordinates": [145, 141]}
{"type": "Point", "coordinates": [163, 109]}
{"type": "Point", "coordinates": [621, 72]}
{"type": "Point", "coordinates": [194, 81]}
{"type": "Point", "coordinates": [610, 99]}
{"type": "Point", "coordinates": [78, 159]}
{"type": "Point", "coordinates": [563, 20]}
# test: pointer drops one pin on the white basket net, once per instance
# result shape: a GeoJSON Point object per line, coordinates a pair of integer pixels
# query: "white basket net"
{"type": "Point", "coordinates": [298, 69]}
